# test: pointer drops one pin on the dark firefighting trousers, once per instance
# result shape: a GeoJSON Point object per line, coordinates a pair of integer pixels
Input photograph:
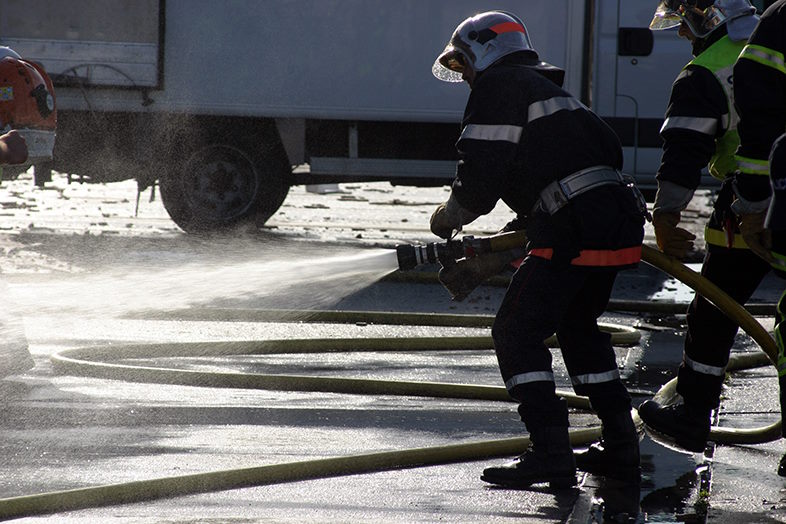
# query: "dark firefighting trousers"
{"type": "Point", "coordinates": [711, 333]}
{"type": "Point", "coordinates": [544, 298]}
{"type": "Point", "coordinates": [779, 248]}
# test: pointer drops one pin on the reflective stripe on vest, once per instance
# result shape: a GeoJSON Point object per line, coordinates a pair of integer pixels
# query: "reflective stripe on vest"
{"type": "Point", "coordinates": [719, 60]}
{"type": "Point", "coordinates": [596, 257]}
{"type": "Point", "coordinates": [764, 56]}
{"type": "Point", "coordinates": [526, 378]}
{"type": "Point", "coordinates": [492, 132]}
{"type": "Point", "coordinates": [718, 237]}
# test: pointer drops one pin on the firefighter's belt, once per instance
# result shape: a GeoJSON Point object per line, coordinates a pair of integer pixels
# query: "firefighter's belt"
{"type": "Point", "coordinates": [558, 193]}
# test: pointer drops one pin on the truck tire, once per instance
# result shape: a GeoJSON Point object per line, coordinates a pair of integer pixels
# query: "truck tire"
{"type": "Point", "coordinates": [217, 186]}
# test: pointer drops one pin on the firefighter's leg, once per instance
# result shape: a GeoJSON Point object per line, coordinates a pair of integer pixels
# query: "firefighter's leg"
{"type": "Point", "coordinates": [780, 339]}
{"type": "Point", "coordinates": [708, 342]}
{"type": "Point", "coordinates": [592, 366]}
{"type": "Point", "coordinates": [530, 312]}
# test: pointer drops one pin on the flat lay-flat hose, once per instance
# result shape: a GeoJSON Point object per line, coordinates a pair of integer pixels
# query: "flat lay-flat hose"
{"type": "Point", "coordinates": [103, 362]}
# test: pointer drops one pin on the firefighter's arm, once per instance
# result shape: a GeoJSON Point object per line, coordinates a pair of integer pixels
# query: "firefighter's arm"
{"type": "Point", "coordinates": [761, 111]}
{"type": "Point", "coordinates": [670, 200]}
{"type": "Point", "coordinates": [13, 148]}
{"type": "Point", "coordinates": [751, 214]}
{"type": "Point", "coordinates": [450, 217]}
{"type": "Point", "coordinates": [696, 105]}
{"type": "Point", "coordinates": [759, 84]}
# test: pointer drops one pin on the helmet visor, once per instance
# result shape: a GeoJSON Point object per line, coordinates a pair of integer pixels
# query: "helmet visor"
{"type": "Point", "coordinates": [666, 16]}
{"type": "Point", "coordinates": [449, 66]}
{"type": "Point", "coordinates": [702, 22]}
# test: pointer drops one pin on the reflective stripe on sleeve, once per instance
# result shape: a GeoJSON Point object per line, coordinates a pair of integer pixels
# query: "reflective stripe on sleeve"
{"type": "Point", "coordinates": [551, 106]}
{"type": "Point", "coordinates": [704, 369]}
{"type": "Point", "coordinates": [596, 378]}
{"type": "Point", "coordinates": [526, 378]}
{"type": "Point", "coordinates": [492, 132]}
{"type": "Point", "coordinates": [752, 166]}
{"type": "Point", "coordinates": [764, 56]}
{"type": "Point", "coordinates": [705, 126]}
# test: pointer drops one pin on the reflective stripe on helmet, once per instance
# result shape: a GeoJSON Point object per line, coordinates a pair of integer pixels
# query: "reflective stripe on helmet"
{"type": "Point", "coordinates": [492, 132]}
{"type": "Point", "coordinates": [507, 27]}
{"type": "Point", "coordinates": [527, 378]}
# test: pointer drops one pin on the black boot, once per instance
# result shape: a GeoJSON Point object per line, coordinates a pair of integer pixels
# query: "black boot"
{"type": "Point", "coordinates": [782, 467]}
{"type": "Point", "coordinates": [687, 424]}
{"type": "Point", "coordinates": [616, 456]}
{"type": "Point", "coordinates": [549, 459]}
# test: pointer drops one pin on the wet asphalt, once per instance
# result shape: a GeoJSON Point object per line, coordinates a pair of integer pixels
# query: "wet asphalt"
{"type": "Point", "coordinates": [84, 267]}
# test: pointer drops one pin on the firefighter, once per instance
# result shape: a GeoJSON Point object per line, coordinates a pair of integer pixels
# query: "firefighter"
{"type": "Point", "coordinates": [700, 130]}
{"type": "Point", "coordinates": [760, 96]}
{"type": "Point", "coordinates": [776, 223]}
{"type": "Point", "coordinates": [27, 110]}
{"type": "Point", "coordinates": [529, 143]}
{"type": "Point", "coordinates": [13, 148]}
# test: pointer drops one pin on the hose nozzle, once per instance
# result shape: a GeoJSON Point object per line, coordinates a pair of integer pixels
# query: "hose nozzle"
{"type": "Point", "coordinates": [410, 256]}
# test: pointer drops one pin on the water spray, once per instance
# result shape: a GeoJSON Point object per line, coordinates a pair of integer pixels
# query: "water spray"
{"type": "Point", "coordinates": [412, 255]}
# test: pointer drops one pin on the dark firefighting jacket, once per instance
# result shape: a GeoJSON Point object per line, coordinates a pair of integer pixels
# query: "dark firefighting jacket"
{"type": "Point", "coordinates": [760, 96]}
{"type": "Point", "coordinates": [521, 132]}
{"type": "Point", "coordinates": [700, 130]}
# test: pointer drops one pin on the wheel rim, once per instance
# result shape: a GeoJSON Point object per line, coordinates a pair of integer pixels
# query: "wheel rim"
{"type": "Point", "coordinates": [220, 184]}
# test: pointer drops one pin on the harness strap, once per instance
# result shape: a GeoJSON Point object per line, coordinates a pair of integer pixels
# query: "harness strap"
{"type": "Point", "coordinates": [557, 194]}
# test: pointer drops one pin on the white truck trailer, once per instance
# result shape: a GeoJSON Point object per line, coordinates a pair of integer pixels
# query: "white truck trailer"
{"type": "Point", "coordinates": [228, 103]}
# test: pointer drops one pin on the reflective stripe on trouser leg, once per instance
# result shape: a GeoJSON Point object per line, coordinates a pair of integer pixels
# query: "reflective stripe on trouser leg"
{"type": "Point", "coordinates": [530, 312]}
{"type": "Point", "coordinates": [595, 378]}
{"type": "Point", "coordinates": [588, 353]}
{"type": "Point", "coordinates": [528, 378]}
{"type": "Point", "coordinates": [711, 333]}
{"type": "Point", "coordinates": [704, 369]}
{"type": "Point", "coordinates": [533, 307]}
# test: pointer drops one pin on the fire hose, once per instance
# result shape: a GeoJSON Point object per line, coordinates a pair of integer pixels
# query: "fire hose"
{"type": "Point", "coordinates": [102, 362]}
